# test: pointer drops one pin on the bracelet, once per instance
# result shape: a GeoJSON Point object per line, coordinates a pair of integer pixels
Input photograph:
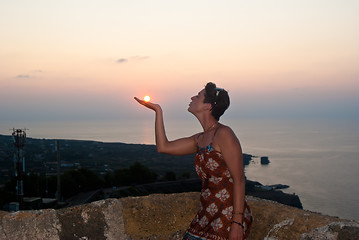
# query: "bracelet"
{"type": "Point", "coordinates": [240, 224]}
{"type": "Point", "coordinates": [237, 213]}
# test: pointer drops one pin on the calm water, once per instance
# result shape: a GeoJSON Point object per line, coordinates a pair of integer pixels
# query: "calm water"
{"type": "Point", "coordinates": [318, 159]}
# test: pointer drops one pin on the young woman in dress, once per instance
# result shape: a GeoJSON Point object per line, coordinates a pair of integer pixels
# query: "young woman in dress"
{"type": "Point", "coordinates": [223, 212]}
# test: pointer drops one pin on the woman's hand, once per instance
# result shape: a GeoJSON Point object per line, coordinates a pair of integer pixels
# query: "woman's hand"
{"type": "Point", "coordinates": [153, 106]}
{"type": "Point", "coordinates": [236, 232]}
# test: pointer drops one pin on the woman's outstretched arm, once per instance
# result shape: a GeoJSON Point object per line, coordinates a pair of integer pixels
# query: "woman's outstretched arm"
{"type": "Point", "coordinates": [182, 146]}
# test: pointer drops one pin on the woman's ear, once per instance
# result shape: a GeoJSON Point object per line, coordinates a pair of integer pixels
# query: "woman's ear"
{"type": "Point", "coordinates": [208, 106]}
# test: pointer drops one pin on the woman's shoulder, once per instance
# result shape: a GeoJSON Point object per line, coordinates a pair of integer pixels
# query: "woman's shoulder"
{"type": "Point", "coordinates": [224, 130]}
{"type": "Point", "coordinates": [224, 133]}
{"type": "Point", "coordinates": [224, 137]}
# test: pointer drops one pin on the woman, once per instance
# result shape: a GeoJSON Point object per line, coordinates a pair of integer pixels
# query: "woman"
{"type": "Point", "coordinates": [223, 213]}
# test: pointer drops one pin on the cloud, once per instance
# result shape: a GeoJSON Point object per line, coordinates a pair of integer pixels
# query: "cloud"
{"type": "Point", "coordinates": [23, 76]}
{"type": "Point", "coordinates": [132, 59]}
{"type": "Point", "coordinates": [122, 60]}
{"type": "Point", "coordinates": [31, 74]}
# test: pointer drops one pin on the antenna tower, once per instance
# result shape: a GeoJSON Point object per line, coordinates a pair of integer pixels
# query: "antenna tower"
{"type": "Point", "coordinates": [19, 139]}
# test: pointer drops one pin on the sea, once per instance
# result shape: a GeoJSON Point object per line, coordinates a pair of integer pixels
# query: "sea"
{"type": "Point", "coordinates": [317, 158]}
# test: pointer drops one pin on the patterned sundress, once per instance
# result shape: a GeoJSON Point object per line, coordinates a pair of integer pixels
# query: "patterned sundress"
{"type": "Point", "coordinates": [213, 220]}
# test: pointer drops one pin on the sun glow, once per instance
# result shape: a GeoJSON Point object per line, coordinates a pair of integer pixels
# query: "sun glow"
{"type": "Point", "coordinates": [147, 98]}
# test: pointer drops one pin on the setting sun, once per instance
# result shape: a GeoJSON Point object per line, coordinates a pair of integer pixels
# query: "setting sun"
{"type": "Point", "coordinates": [147, 98]}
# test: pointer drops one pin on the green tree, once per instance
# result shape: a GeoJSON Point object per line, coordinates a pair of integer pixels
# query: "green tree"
{"type": "Point", "coordinates": [79, 180]}
{"type": "Point", "coordinates": [122, 177]}
{"type": "Point", "coordinates": [135, 174]}
{"type": "Point", "coordinates": [142, 174]}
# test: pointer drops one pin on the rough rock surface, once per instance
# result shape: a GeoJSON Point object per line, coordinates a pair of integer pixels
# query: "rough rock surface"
{"type": "Point", "coordinates": [161, 216]}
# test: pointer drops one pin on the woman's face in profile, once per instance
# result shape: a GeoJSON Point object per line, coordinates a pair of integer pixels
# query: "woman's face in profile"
{"type": "Point", "coordinates": [196, 103]}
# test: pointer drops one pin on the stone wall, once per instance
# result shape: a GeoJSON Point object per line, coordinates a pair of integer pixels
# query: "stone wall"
{"type": "Point", "coordinates": [160, 216]}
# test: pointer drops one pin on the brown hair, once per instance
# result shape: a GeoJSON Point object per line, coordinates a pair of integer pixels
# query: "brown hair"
{"type": "Point", "coordinates": [218, 98]}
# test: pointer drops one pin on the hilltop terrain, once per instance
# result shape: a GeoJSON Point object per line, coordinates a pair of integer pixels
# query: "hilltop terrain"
{"type": "Point", "coordinates": [100, 157]}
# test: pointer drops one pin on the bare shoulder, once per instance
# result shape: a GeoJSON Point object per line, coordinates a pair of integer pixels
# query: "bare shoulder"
{"type": "Point", "coordinates": [225, 138]}
{"type": "Point", "coordinates": [225, 132]}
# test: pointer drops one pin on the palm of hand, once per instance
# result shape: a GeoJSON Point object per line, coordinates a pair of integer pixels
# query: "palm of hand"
{"type": "Point", "coordinates": [149, 105]}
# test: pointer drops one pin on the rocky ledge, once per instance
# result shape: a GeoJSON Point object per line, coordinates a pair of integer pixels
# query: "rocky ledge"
{"type": "Point", "coordinates": [165, 216]}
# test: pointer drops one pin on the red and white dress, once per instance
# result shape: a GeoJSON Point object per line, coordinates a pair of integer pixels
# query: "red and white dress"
{"type": "Point", "coordinates": [213, 220]}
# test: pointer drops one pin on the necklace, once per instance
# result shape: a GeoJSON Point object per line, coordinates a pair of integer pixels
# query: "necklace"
{"type": "Point", "coordinates": [210, 128]}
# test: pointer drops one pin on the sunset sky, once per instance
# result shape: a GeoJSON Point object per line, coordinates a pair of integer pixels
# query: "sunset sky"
{"type": "Point", "coordinates": [82, 59]}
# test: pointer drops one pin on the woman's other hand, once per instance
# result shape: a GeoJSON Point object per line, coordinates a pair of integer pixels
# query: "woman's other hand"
{"type": "Point", "coordinates": [155, 107]}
